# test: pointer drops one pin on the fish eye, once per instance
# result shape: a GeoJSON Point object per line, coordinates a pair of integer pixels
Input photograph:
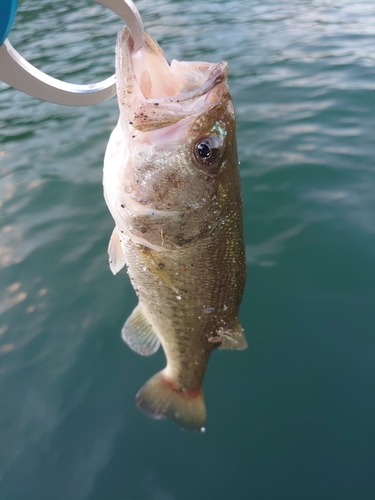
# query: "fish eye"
{"type": "Point", "coordinates": [208, 150]}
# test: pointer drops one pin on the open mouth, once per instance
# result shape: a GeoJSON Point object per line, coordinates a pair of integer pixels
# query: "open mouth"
{"type": "Point", "coordinates": [151, 89]}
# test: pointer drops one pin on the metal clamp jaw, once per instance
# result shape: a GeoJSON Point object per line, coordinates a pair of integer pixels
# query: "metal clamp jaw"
{"type": "Point", "coordinates": [18, 73]}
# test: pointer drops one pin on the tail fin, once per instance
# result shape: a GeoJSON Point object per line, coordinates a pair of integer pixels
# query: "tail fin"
{"type": "Point", "coordinates": [160, 397]}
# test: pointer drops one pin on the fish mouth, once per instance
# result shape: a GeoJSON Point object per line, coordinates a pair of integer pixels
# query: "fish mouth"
{"type": "Point", "coordinates": [153, 94]}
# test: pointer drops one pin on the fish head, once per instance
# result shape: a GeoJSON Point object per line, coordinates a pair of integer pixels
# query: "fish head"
{"type": "Point", "coordinates": [177, 124]}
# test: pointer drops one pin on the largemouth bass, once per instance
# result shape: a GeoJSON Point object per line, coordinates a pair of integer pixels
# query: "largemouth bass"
{"type": "Point", "coordinates": [172, 185]}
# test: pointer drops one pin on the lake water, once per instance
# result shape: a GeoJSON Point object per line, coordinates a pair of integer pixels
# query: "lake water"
{"type": "Point", "coordinates": [292, 417]}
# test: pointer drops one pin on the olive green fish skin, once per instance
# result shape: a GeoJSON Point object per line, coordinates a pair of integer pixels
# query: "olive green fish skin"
{"type": "Point", "coordinates": [177, 207]}
{"type": "Point", "coordinates": [208, 272]}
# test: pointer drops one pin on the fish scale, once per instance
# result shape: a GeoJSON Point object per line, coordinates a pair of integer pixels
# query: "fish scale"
{"type": "Point", "coordinates": [173, 189]}
{"type": "Point", "coordinates": [209, 296]}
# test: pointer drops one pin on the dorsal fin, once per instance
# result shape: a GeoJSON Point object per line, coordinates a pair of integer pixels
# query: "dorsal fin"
{"type": "Point", "coordinates": [116, 252]}
{"type": "Point", "coordinates": [232, 337]}
{"type": "Point", "coordinates": [139, 334]}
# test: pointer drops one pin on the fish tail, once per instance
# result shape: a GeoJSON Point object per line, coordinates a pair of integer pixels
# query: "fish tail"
{"type": "Point", "coordinates": [161, 397]}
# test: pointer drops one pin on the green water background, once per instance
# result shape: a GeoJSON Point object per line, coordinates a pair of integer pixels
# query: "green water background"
{"type": "Point", "coordinates": [293, 417]}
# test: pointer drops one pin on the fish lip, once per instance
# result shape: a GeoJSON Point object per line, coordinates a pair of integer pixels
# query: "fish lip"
{"type": "Point", "coordinates": [149, 113]}
{"type": "Point", "coordinates": [217, 75]}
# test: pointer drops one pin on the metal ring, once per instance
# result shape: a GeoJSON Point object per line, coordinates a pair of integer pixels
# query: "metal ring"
{"type": "Point", "coordinates": [20, 74]}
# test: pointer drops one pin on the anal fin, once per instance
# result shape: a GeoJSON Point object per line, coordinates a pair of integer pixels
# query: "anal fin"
{"type": "Point", "coordinates": [139, 334]}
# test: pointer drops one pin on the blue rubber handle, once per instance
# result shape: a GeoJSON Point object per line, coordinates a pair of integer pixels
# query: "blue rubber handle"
{"type": "Point", "coordinates": [7, 12]}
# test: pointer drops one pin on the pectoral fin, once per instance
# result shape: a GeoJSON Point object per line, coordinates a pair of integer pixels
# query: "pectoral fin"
{"type": "Point", "coordinates": [116, 252]}
{"type": "Point", "coordinates": [156, 268]}
{"type": "Point", "coordinates": [139, 334]}
{"type": "Point", "coordinates": [232, 338]}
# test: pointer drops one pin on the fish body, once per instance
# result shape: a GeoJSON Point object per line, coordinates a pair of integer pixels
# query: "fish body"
{"type": "Point", "coordinates": [172, 185]}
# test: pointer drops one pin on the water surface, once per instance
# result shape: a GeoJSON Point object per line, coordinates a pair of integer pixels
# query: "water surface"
{"type": "Point", "coordinates": [293, 416]}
